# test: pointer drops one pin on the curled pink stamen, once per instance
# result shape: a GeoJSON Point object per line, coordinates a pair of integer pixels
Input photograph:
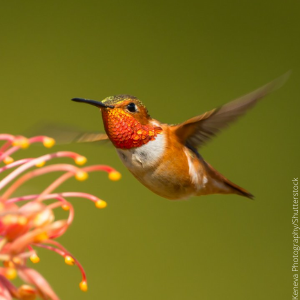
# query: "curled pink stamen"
{"type": "Point", "coordinates": [32, 163]}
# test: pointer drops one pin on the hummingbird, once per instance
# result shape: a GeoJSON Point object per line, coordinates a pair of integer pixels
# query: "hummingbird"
{"type": "Point", "coordinates": [165, 157]}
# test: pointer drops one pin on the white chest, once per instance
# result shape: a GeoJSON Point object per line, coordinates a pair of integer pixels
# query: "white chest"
{"type": "Point", "coordinates": [145, 156]}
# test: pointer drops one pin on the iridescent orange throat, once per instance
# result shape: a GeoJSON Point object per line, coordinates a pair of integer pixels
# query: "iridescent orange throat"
{"type": "Point", "coordinates": [125, 131]}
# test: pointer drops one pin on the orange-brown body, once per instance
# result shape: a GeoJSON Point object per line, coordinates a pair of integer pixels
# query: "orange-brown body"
{"type": "Point", "coordinates": [176, 172]}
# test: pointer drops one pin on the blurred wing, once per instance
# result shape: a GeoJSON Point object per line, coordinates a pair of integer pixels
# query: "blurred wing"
{"type": "Point", "coordinates": [197, 131]}
{"type": "Point", "coordinates": [91, 137]}
{"type": "Point", "coordinates": [66, 134]}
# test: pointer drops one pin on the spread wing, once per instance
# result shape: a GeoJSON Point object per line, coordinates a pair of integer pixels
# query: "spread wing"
{"type": "Point", "coordinates": [64, 134]}
{"type": "Point", "coordinates": [196, 131]}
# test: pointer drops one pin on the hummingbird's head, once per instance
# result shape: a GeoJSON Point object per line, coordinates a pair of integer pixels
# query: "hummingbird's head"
{"type": "Point", "coordinates": [126, 105]}
{"type": "Point", "coordinates": [126, 120]}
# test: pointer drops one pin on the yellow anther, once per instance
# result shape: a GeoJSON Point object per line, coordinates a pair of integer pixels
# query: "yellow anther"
{"type": "Point", "coordinates": [34, 258]}
{"type": "Point", "coordinates": [114, 175]}
{"type": "Point", "coordinates": [9, 219]}
{"type": "Point", "coordinates": [10, 273]}
{"type": "Point", "coordinates": [83, 286]}
{"type": "Point", "coordinates": [100, 204]}
{"type": "Point", "coordinates": [17, 260]}
{"type": "Point", "coordinates": [48, 142]}
{"type": "Point", "coordinates": [43, 218]}
{"type": "Point", "coordinates": [26, 292]}
{"type": "Point", "coordinates": [80, 160]}
{"type": "Point", "coordinates": [69, 260]}
{"type": "Point", "coordinates": [41, 237]}
{"type": "Point", "coordinates": [65, 207]}
{"type": "Point", "coordinates": [40, 164]}
{"type": "Point", "coordinates": [22, 220]}
{"type": "Point", "coordinates": [8, 160]}
{"type": "Point", "coordinates": [81, 175]}
{"type": "Point", "coordinates": [21, 142]}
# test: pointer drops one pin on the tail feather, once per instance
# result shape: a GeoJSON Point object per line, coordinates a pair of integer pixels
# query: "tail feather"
{"type": "Point", "coordinates": [238, 190]}
{"type": "Point", "coordinates": [229, 187]}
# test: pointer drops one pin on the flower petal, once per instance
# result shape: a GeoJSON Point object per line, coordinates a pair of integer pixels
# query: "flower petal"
{"type": "Point", "coordinates": [7, 289]}
{"type": "Point", "coordinates": [31, 276]}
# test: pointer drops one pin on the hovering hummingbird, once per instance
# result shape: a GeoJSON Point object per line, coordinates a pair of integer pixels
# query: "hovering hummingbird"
{"type": "Point", "coordinates": [165, 157]}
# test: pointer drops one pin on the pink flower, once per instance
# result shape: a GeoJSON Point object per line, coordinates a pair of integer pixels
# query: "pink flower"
{"type": "Point", "coordinates": [28, 223]}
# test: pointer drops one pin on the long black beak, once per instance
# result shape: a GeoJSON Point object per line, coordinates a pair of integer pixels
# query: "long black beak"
{"type": "Point", "coordinates": [92, 102]}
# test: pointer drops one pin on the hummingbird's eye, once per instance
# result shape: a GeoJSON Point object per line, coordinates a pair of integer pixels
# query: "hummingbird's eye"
{"type": "Point", "coordinates": [131, 107]}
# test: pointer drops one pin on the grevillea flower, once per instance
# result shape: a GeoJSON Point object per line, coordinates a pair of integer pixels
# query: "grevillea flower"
{"type": "Point", "coordinates": [27, 222]}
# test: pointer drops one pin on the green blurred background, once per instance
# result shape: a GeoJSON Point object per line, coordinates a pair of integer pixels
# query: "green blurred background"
{"type": "Point", "coordinates": [180, 58]}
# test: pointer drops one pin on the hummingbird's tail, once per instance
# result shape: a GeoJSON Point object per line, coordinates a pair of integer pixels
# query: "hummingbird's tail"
{"type": "Point", "coordinates": [224, 186]}
{"type": "Point", "coordinates": [237, 189]}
